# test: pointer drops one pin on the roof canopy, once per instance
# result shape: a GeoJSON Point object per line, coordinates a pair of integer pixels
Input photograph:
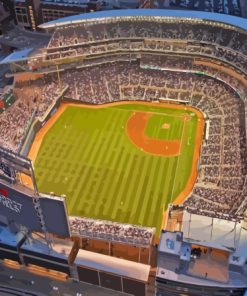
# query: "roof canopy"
{"type": "Point", "coordinates": [182, 14]}
{"type": "Point", "coordinates": [113, 265]}
{"type": "Point", "coordinates": [22, 55]}
{"type": "Point", "coordinates": [17, 56]}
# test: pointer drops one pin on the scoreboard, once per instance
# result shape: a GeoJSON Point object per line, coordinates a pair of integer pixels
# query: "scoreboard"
{"type": "Point", "coordinates": [25, 205]}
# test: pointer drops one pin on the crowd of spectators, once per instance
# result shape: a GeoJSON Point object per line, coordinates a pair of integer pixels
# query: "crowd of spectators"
{"type": "Point", "coordinates": [33, 99]}
{"type": "Point", "coordinates": [112, 231]}
{"type": "Point", "coordinates": [91, 32]}
{"type": "Point", "coordinates": [226, 44]}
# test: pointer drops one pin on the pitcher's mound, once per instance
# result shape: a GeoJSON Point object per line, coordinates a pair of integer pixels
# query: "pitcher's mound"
{"type": "Point", "coordinates": [166, 125]}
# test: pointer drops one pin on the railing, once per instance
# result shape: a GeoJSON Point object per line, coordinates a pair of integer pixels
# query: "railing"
{"type": "Point", "coordinates": [30, 122]}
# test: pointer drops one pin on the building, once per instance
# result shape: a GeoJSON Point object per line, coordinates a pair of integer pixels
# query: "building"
{"type": "Point", "coordinates": [206, 256]}
{"type": "Point", "coordinates": [5, 16]}
{"type": "Point", "coordinates": [27, 13]}
{"type": "Point", "coordinates": [30, 13]}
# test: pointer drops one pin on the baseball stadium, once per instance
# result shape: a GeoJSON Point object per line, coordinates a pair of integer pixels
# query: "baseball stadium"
{"type": "Point", "coordinates": [128, 129]}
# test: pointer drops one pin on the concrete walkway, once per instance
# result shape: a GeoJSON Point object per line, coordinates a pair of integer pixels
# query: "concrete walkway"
{"type": "Point", "coordinates": [21, 279]}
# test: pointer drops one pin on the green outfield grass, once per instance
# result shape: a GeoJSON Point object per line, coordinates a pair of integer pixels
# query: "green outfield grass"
{"type": "Point", "coordinates": [88, 156]}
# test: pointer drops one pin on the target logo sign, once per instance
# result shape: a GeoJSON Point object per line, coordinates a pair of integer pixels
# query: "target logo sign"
{"type": "Point", "coordinates": [4, 192]}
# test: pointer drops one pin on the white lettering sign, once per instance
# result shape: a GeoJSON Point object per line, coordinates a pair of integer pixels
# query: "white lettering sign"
{"type": "Point", "coordinates": [11, 204]}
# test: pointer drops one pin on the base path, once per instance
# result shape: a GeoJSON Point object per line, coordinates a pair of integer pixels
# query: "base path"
{"type": "Point", "coordinates": [135, 129]}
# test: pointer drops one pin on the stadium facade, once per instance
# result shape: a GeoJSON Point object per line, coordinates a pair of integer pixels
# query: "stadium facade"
{"type": "Point", "coordinates": [180, 57]}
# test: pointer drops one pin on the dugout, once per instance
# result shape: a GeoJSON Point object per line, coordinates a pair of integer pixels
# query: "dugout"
{"type": "Point", "coordinates": [112, 273]}
{"type": "Point", "coordinates": [36, 253]}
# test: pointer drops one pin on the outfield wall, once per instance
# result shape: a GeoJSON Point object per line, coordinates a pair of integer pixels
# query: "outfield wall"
{"type": "Point", "coordinates": [37, 124]}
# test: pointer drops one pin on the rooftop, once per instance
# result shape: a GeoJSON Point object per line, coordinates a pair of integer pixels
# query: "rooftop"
{"type": "Point", "coordinates": [16, 37]}
{"type": "Point", "coordinates": [3, 13]}
{"type": "Point", "coordinates": [60, 248]}
{"type": "Point", "coordinates": [211, 232]}
{"type": "Point", "coordinates": [17, 55]}
{"type": "Point", "coordinates": [179, 14]}
{"type": "Point", "coordinates": [210, 268]}
{"type": "Point", "coordinates": [9, 238]}
{"type": "Point", "coordinates": [113, 265]}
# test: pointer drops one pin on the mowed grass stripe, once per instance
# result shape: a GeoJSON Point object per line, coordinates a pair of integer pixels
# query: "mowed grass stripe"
{"type": "Point", "coordinates": [140, 189]}
{"type": "Point", "coordinates": [128, 166]}
{"type": "Point", "coordinates": [112, 202]}
{"type": "Point", "coordinates": [117, 141]}
{"type": "Point", "coordinates": [79, 189]}
{"type": "Point", "coordinates": [128, 182]}
{"type": "Point", "coordinates": [84, 176]}
{"type": "Point", "coordinates": [148, 194]}
{"type": "Point", "coordinates": [158, 183]}
{"type": "Point", "coordinates": [150, 191]}
{"type": "Point", "coordinates": [128, 192]}
{"type": "Point", "coordinates": [111, 184]}
{"type": "Point", "coordinates": [163, 186]}
{"type": "Point", "coordinates": [90, 185]}
{"type": "Point", "coordinates": [132, 187]}
{"type": "Point", "coordinates": [105, 147]}
{"type": "Point", "coordinates": [84, 171]}
{"type": "Point", "coordinates": [160, 193]}
{"type": "Point", "coordinates": [142, 200]}
{"type": "Point", "coordinates": [68, 160]}
{"type": "Point", "coordinates": [76, 168]}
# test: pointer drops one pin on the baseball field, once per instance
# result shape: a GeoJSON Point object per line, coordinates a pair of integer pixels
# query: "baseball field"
{"type": "Point", "coordinates": [121, 162]}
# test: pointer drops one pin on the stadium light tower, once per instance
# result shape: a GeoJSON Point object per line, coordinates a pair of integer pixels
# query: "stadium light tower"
{"type": "Point", "coordinates": [58, 77]}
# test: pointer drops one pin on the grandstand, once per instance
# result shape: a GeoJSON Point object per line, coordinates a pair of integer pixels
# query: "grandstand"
{"type": "Point", "coordinates": [219, 156]}
{"type": "Point", "coordinates": [197, 60]}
